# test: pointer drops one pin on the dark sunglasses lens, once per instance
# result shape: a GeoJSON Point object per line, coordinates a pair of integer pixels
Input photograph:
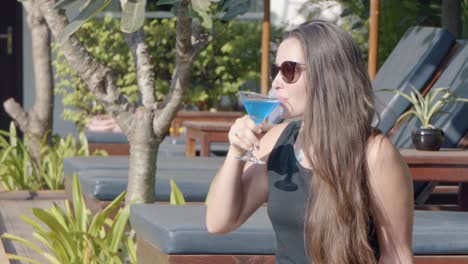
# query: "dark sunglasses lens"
{"type": "Point", "coordinates": [287, 70]}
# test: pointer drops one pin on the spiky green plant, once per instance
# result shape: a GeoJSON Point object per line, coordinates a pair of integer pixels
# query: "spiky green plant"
{"type": "Point", "coordinates": [75, 236]}
{"type": "Point", "coordinates": [425, 108]}
{"type": "Point", "coordinates": [17, 170]}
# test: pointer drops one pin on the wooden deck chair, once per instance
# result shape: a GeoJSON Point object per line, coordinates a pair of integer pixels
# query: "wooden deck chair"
{"type": "Point", "coordinates": [455, 125]}
{"type": "Point", "coordinates": [414, 61]}
{"type": "Point", "coordinates": [104, 178]}
{"type": "Point", "coordinates": [177, 234]}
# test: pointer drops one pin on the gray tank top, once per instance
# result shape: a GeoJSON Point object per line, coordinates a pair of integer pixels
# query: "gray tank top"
{"type": "Point", "coordinates": [288, 188]}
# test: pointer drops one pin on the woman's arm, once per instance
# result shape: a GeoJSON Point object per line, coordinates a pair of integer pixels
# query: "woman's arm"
{"type": "Point", "coordinates": [240, 188]}
{"type": "Point", "coordinates": [392, 200]}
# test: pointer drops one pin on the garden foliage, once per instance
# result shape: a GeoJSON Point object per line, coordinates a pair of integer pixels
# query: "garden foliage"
{"type": "Point", "coordinates": [228, 62]}
{"type": "Point", "coordinates": [18, 170]}
{"type": "Point", "coordinates": [73, 235]}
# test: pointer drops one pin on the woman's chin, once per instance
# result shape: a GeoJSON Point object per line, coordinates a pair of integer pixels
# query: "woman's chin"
{"type": "Point", "coordinates": [289, 115]}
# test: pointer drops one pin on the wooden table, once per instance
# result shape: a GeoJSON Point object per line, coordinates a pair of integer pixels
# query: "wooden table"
{"type": "Point", "coordinates": [446, 165]}
{"type": "Point", "coordinates": [206, 133]}
{"type": "Point", "coordinates": [221, 116]}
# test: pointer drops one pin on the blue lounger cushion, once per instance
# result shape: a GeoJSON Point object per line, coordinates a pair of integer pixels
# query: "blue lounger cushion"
{"type": "Point", "coordinates": [105, 185]}
{"type": "Point", "coordinates": [440, 233]}
{"type": "Point", "coordinates": [413, 61]}
{"type": "Point", "coordinates": [78, 164]}
{"type": "Point", "coordinates": [182, 230]}
{"type": "Point", "coordinates": [106, 137]}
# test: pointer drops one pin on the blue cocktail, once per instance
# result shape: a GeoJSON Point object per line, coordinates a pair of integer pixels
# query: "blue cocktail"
{"type": "Point", "coordinates": [258, 106]}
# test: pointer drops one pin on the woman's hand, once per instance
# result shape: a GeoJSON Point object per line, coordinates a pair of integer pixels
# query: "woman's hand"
{"type": "Point", "coordinates": [244, 134]}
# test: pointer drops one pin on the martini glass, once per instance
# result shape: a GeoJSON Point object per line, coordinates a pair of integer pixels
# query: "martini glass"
{"type": "Point", "coordinates": [258, 106]}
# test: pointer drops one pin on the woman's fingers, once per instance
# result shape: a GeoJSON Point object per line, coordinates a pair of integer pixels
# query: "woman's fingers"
{"type": "Point", "coordinates": [243, 133]}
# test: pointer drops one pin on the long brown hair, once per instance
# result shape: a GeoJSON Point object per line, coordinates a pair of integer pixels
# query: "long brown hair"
{"type": "Point", "coordinates": [336, 128]}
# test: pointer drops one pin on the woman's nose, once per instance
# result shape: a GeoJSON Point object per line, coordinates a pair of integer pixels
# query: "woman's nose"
{"type": "Point", "coordinates": [277, 81]}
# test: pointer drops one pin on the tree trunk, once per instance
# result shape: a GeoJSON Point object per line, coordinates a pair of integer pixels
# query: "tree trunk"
{"type": "Point", "coordinates": [143, 156]}
{"type": "Point", "coordinates": [146, 126]}
{"type": "Point", "coordinates": [39, 119]}
{"type": "Point", "coordinates": [451, 16]}
{"type": "Point", "coordinates": [97, 77]}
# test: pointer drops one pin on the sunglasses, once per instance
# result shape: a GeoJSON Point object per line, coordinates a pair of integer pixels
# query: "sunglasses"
{"type": "Point", "coordinates": [290, 71]}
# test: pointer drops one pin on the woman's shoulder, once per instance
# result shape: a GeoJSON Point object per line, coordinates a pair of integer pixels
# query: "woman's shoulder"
{"type": "Point", "coordinates": [379, 147]}
{"type": "Point", "coordinates": [382, 155]}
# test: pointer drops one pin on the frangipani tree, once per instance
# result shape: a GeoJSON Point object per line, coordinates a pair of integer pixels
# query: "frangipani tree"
{"type": "Point", "coordinates": [38, 121]}
{"type": "Point", "coordinates": [147, 123]}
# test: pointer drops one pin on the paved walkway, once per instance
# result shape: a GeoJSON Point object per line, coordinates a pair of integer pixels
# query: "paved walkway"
{"type": "Point", "coordinates": [10, 221]}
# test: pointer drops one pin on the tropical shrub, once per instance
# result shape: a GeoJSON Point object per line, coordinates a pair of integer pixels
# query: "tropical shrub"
{"type": "Point", "coordinates": [19, 172]}
{"type": "Point", "coordinates": [231, 59]}
{"type": "Point", "coordinates": [75, 236]}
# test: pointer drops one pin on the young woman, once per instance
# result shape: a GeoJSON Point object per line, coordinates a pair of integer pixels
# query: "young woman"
{"type": "Point", "coordinates": [337, 190]}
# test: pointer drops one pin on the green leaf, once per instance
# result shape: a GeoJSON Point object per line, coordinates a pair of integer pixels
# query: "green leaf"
{"type": "Point", "coordinates": [33, 223]}
{"type": "Point", "coordinates": [58, 230]}
{"type": "Point", "coordinates": [176, 195]}
{"type": "Point", "coordinates": [13, 137]}
{"type": "Point", "coordinates": [13, 256]}
{"type": "Point", "coordinates": [410, 112]}
{"type": "Point", "coordinates": [98, 220]}
{"type": "Point", "coordinates": [239, 8]}
{"type": "Point", "coordinates": [86, 14]}
{"type": "Point", "coordinates": [133, 15]}
{"type": "Point", "coordinates": [23, 241]}
{"type": "Point", "coordinates": [131, 248]}
{"type": "Point", "coordinates": [400, 93]}
{"type": "Point", "coordinates": [118, 229]}
{"type": "Point", "coordinates": [84, 149]}
{"type": "Point", "coordinates": [201, 5]}
{"type": "Point", "coordinates": [79, 205]}
{"type": "Point", "coordinates": [207, 20]}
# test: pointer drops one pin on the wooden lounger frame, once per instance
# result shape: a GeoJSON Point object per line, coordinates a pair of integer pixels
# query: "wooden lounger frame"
{"type": "Point", "coordinates": [147, 254]}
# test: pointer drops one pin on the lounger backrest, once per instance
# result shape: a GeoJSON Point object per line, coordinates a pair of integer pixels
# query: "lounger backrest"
{"type": "Point", "coordinates": [413, 61]}
{"type": "Point", "coordinates": [455, 124]}
{"type": "Point", "coordinates": [105, 137]}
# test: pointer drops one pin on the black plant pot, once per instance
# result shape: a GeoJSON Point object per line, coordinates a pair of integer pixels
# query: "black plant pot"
{"type": "Point", "coordinates": [427, 138]}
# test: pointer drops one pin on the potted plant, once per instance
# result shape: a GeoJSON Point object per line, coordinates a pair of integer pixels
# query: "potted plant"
{"type": "Point", "coordinates": [425, 108]}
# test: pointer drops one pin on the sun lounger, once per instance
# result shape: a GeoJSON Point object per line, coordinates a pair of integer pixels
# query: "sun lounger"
{"type": "Point", "coordinates": [78, 164]}
{"type": "Point", "coordinates": [104, 178]}
{"type": "Point", "coordinates": [166, 234]}
{"type": "Point", "coordinates": [414, 61]}
{"type": "Point", "coordinates": [454, 125]}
